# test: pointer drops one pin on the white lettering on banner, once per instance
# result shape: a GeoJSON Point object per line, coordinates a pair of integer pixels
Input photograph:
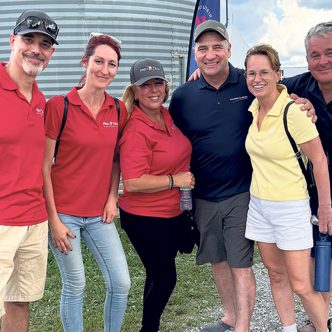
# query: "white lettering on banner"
{"type": "Point", "coordinates": [207, 10]}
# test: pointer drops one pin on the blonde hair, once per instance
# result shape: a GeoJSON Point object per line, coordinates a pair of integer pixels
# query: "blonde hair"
{"type": "Point", "coordinates": [128, 96]}
{"type": "Point", "coordinates": [268, 51]}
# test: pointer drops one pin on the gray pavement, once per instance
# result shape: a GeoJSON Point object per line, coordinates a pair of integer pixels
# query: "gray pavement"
{"type": "Point", "coordinates": [265, 318]}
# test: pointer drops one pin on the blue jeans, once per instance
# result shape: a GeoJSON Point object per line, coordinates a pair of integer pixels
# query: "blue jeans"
{"type": "Point", "coordinates": [103, 241]}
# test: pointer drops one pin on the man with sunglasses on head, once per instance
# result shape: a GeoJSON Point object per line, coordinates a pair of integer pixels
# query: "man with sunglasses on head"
{"type": "Point", "coordinates": [23, 217]}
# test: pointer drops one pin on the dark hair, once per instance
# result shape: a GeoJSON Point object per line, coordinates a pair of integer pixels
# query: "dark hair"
{"type": "Point", "coordinates": [268, 51]}
{"type": "Point", "coordinates": [91, 46]}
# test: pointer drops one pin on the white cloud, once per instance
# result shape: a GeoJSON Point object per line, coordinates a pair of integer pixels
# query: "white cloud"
{"type": "Point", "coordinates": [286, 31]}
{"type": "Point", "coordinates": [280, 23]}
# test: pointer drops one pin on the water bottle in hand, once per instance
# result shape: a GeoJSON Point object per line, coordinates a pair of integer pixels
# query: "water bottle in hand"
{"type": "Point", "coordinates": [186, 202]}
{"type": "Point", "coordinates": [322, 264]}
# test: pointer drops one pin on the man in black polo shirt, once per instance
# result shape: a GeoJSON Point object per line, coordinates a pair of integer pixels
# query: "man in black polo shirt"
{"type": "Point", "coordinates": [316, 85]}
{"type": "Point", "coordinates": [213, 113]}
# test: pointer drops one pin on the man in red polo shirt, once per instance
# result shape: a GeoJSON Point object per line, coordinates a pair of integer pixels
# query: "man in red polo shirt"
{"type": "Point", "coordinates": [23, 226]}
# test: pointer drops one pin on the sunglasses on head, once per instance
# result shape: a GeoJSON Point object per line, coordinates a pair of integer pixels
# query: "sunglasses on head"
{"type": "Point", "coordinates": [97, 34]}
{"type": "Point", "coordinates": [33, 22]}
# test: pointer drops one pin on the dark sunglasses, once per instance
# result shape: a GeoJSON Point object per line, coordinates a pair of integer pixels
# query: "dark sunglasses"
{"type": "Point", "coordinates": [33, 22]}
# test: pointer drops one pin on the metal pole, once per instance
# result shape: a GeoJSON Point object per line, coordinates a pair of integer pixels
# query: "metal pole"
{"type": "Point", "coordinates": [226, 24]}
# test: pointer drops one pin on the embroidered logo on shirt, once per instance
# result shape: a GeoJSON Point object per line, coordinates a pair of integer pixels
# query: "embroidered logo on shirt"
{"type": "Point", "coordinates": [110, 124]}
{"type": "Point", "coordinates": [234, 100]}
{"type": "Point", "coordinates": [39, 111]}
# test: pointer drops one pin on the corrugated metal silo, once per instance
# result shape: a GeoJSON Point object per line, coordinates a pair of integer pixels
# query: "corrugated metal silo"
{"type": "Point", "coordinates": [149, 28]}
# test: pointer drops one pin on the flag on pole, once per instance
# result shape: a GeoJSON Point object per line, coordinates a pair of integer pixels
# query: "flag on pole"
{"type": "Point", "coordinates": [204, 10]}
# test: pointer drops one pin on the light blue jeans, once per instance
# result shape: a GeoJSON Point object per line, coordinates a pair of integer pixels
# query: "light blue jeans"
{"type": "Point", "coordinates": [104, 243]}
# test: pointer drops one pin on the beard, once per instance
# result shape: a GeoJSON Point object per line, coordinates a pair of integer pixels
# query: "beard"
{"type": "Point", "coordinates": [32, 69]}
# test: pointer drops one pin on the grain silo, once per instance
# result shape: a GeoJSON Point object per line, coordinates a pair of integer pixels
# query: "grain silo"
{"type": "Point", "coordinates": [150, 28]}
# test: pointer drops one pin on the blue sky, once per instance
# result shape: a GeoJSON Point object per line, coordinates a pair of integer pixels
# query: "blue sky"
{"type": "Point", "coordinates": [280, 23]}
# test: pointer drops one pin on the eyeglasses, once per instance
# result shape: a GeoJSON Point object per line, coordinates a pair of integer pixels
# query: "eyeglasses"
{"type": "Point", "coordinates": [251, 75]}
{"type": "Point", "coordinates": [97, 34]}
{"type": "Point", "coordinates": [33, 22]}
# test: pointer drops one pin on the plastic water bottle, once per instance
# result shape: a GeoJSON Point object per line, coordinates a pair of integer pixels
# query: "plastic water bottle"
{"type": "Point", "coordinates": [322, 264]}
{"type": "Point", "coordinates": [186, 202]}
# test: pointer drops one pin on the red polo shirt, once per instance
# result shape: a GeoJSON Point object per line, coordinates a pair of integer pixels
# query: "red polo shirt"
{"type": "Point", "coordinates": [81, 177]}
{"type": "Point", "coordinates": [21, 154]}
{"type": "Point", "coordinates": [147, 149]}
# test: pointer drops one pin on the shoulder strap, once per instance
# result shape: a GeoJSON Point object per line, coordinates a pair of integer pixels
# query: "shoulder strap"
{"type": "Point", "coordinates": [298, 154]}
{"type": "Point", "coordinates": [117, 106]}
{"type": "Point", "coordinates": [64, 119]}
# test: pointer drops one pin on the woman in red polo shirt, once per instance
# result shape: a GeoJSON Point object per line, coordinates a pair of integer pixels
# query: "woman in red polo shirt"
{"type": "Point", "coordinates": [81, 186]}
{"type": "Point", "coordinates": [154, 161]}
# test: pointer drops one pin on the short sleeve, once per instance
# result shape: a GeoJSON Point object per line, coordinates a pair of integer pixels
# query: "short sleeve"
{"type": "Point", "coordinates": [53, 116]}
{"type": "Point", "coordinates": [300, 125]}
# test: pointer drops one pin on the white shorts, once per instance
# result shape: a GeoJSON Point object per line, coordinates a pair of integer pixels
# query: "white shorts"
{"type": "Point", "coordinates": [285, 223]}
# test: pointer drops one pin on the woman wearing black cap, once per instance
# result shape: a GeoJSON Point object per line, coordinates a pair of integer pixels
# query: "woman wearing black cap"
{"type": "Point", "coordinates": [154, 161]}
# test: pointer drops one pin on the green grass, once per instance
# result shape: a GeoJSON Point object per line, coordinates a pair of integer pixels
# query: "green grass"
{"type": "Point", "coordinates": [195, 295]}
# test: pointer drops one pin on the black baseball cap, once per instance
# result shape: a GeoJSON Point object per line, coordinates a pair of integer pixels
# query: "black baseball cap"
{"type": "Point", "coordinates": [32, 21]}
{"type": "Point", "coordinates": [146, 69]}
{"type": "Point", "coordinates": [211, 25]}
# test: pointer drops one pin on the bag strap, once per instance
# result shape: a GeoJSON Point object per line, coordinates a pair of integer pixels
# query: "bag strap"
{"type": "Point", "coordinates": [298, 155]}
{"type": "Point", "coordinates": [64, 119]}
{"type": "Point", "coordinates": [117, 105]}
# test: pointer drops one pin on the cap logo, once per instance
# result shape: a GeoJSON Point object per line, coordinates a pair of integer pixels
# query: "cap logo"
{"type": "Point", "coordinates": [149, 68]}
{"type": "Point", "coordinates": [143, 70]}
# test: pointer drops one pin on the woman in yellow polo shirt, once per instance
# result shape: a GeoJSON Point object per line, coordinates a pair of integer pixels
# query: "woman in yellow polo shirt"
{"type": "Point", "coordinates": [279, 211]}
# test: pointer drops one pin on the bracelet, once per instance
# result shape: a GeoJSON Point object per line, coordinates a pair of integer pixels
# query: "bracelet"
{"type": "Point", "coordinates": [170, 181]}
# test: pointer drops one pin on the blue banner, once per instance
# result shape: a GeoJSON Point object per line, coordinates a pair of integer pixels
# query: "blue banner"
{"type": "Point", "coordinates": [204, 10]}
